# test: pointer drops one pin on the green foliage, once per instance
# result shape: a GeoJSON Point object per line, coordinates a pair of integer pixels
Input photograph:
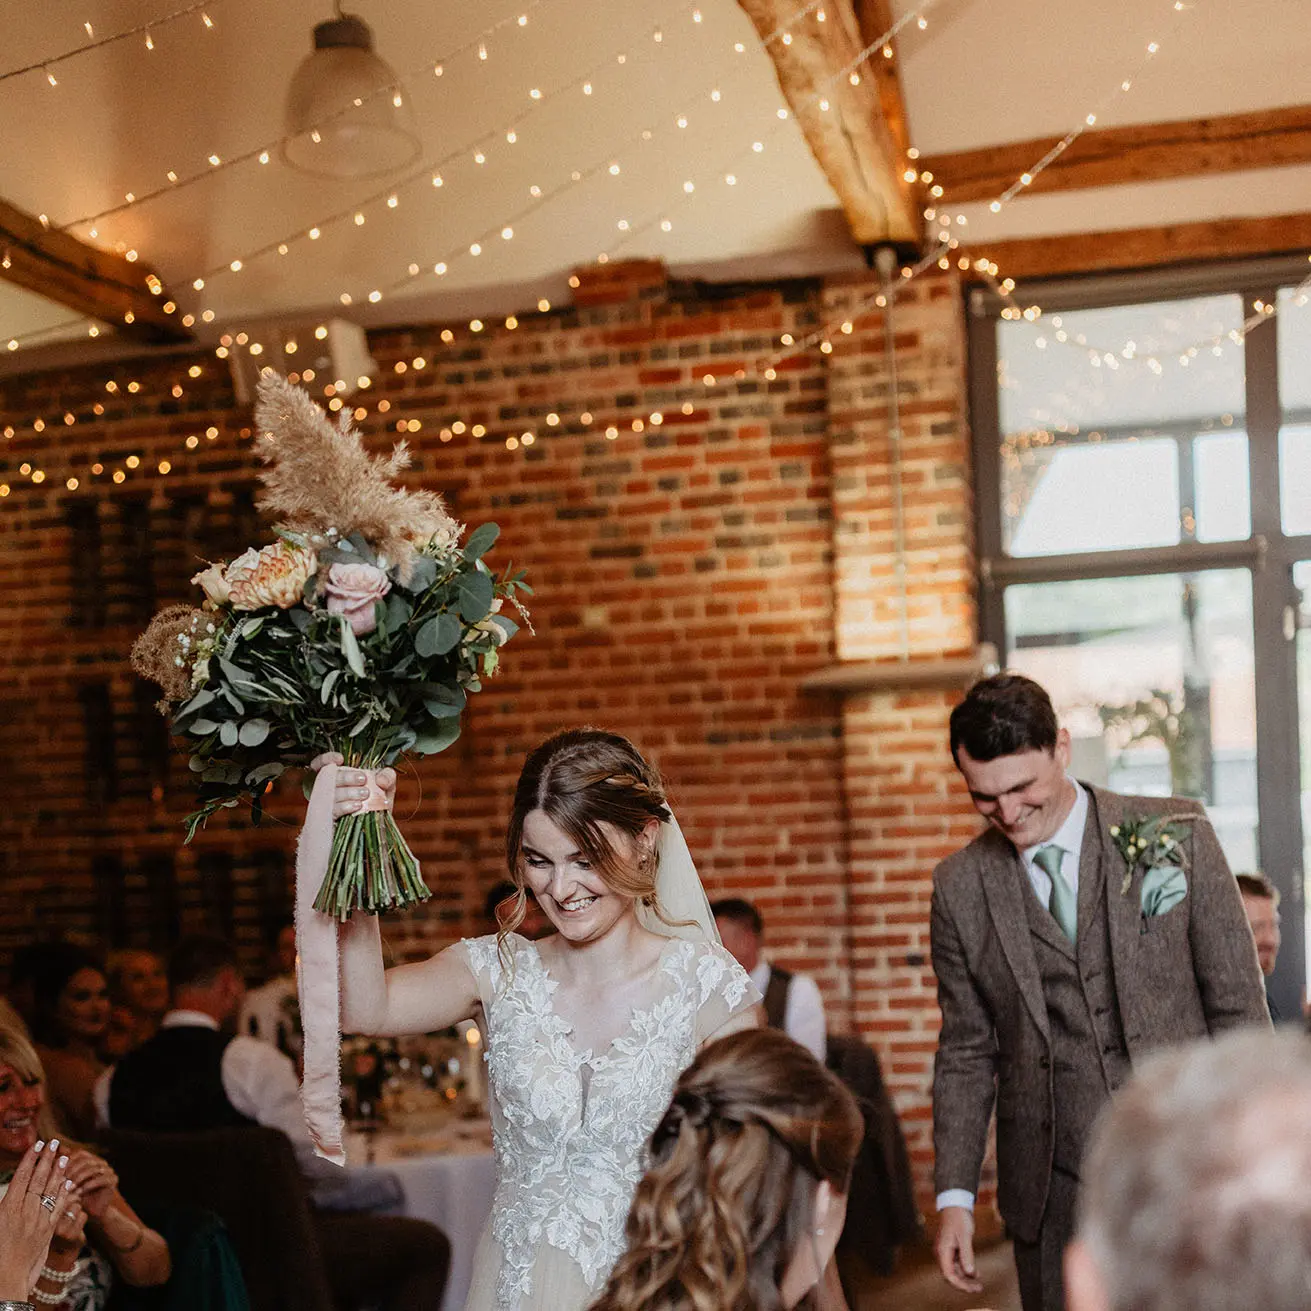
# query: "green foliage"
{"type": "Point", "coordinates": [281, 686]}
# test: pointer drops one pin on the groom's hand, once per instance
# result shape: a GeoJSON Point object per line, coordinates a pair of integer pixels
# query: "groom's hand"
{"type": "Point", "coordinates": [955, 1248]}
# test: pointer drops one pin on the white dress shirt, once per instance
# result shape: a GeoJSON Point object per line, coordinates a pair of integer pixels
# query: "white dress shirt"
{"type": "Point", "coordinates": [1069, 837]}
{"type": "Point", "coordinates": [803, 1017]}
{"type": "Point", "coordinates": [261, 1084]}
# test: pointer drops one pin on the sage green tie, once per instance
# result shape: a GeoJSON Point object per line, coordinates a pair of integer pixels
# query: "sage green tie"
{"type": "Point", "coordinates": [1063, 902]}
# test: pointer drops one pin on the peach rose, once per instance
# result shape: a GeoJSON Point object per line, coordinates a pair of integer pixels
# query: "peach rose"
{"type": "Point", "coordinates": [352, 590]}
{"type": "Point", "coordinates": [275, 575]}
{"type": "Point", "coordinates": [213, 583]}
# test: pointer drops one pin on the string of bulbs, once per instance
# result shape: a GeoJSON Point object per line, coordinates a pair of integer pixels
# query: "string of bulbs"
{"type": "Point", "coordinates": [99, 43]}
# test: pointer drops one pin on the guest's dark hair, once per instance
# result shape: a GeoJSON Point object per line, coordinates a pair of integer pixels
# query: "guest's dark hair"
{"type": "Point", "coordinates": [581, 779]}
{"type": "Point", "coordinates": [740, 911]}
{"type": "Point", "coordinates": [1257, 885]}
{"type": "Point", "coordinates": [51, 967]}
{"type": "Point", "coordinates": [198, 960]}
{"type": "Point", "coordinates": [1002, 715]}
{"type": "Point", "coordinates": [755, 1125]}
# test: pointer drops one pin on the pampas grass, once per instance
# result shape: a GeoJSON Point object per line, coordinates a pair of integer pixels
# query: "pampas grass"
{"type": "Point", "coordinates": [320, 477]}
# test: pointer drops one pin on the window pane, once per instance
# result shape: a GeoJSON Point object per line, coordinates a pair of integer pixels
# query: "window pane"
{"type": "Point", "coordinates": [1293, 326]}
{"type": "Point", "coordinates": [1154, 678]}
{"type": "Point", "coordinates": [1101, 412]}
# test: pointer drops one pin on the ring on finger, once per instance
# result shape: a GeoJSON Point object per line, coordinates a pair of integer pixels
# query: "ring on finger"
{"type": "Point", "coordinates": [48, 1201]}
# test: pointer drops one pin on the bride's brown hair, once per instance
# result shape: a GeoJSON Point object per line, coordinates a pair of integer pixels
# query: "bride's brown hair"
{"type": "Point", "coordinates": [756, 1123]}
{"type": "Point", "coordinates": [581, 779]}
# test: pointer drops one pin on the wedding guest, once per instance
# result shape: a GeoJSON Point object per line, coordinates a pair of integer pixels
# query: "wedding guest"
{"type": "Point", "coordinates": [1065, 952]}
{"type": "Point", "coordinates": [138, 998]}
{"type": "Point", "coordinates": [1261, 903]}
{"type": "Point", "coordinates": [70, 999]}
{"type": "Point", "coordinates": [195, 1074]}
{"type": "Point", "coordinates": [792, 1001]}
{"type": "Point", "coordinates": [745, 1195]}
{"type": "Point", "coordinates": [30, 1206]}
{"type": "Point", "coordinates": [1197, 1187]}
{"type": "Point", "coordinates": [98, 1237]}
{"type": "Point", "coordinates": [271, 1012]}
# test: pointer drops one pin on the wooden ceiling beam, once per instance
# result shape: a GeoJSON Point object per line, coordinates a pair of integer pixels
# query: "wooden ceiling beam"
{"type": "Point", "coordinates": [1144, 152]}
{"type": "Point", "coordinates": [90, 281]}
{"type": "Point", "coordinates": [853, 141]}
{"type": "Point", "coordinates": [1138, 248]}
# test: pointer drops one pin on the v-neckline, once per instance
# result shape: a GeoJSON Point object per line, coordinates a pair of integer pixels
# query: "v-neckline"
{"type": "Point", "coordinates": [589, 1056]}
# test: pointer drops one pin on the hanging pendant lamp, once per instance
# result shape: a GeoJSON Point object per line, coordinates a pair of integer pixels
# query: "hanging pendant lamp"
{"type": "Point", "coordinates": [347, 113]}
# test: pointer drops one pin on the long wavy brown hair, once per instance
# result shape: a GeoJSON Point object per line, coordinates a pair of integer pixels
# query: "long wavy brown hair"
{"type": "Point", "coordinates": [756, 1123]}
{"type": "Point", "coordinates": [582, 779]}
{"type": "Point", "coordinates": [18, 1053]}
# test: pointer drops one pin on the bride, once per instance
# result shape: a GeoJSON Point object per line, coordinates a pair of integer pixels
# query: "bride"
{"type": "Point", "coordinates": [586, 1030]}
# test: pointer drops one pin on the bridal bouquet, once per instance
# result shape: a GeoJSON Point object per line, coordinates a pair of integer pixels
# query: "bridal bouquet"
{"type": "Point", "coordinates": [361, 629]}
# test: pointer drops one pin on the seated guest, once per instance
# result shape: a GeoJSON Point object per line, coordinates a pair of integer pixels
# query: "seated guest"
{"type": "Point", "coordinates": [535, 925]}
{"type": "Point", "coordinates": [1261, 902]}
{"type": "Point", "coordinates": [97, 1237]}
{"type": "Point", "coordinates": [1197, 1183]}
{"type": "Point", "coordinates": [745, 1195]}
{"type": "Point", "coordinates": [792, 1001]}
{"type": "Point", "coordinates": [138, 998]}
{"type": "Point", "coordinates": [196, 1074]}
{"type": "Point", "coordinates": [70, 1017]}
{"type": "Point", "coordinates": [271, 1012]}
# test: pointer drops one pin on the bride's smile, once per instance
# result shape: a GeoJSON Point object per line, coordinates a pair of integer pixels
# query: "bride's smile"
{"type": "Point", "coordinates": [573, 894]}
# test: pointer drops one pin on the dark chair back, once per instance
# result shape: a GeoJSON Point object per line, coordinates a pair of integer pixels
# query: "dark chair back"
{"type": "Point", "coordinates": [206, 1274]}
{"type": "Point", "coordinates": [250, 1179]}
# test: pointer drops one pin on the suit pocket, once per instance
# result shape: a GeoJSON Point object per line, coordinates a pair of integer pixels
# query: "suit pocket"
{"type": "Point", "coordinates": [1168, 927]}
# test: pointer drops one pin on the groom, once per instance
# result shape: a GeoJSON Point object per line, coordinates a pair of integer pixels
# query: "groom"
{"type": "Point", "coordinates": [1058, 966]}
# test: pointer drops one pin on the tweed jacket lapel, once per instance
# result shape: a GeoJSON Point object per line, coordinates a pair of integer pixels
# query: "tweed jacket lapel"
{"type": "Point", "coordinates": [1003, 878]}
{"type": "Point", "coordinates": [1123, 911]}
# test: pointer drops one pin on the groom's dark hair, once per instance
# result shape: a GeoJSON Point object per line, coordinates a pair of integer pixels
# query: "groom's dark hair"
{"type": "Point", "coordinates": [1002, 715]}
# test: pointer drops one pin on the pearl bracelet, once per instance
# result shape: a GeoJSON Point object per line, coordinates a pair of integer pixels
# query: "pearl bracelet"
{"type": "Point", "coordinates": [46, 1299]}
{"type": "Point", "coordinates": [62, 1276]}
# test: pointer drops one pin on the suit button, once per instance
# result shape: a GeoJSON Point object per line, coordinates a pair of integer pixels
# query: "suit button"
{"type": "Point", "coordinates": [1101, 1010]}
{"type": "Point", "coordinates": [1045, 1063]}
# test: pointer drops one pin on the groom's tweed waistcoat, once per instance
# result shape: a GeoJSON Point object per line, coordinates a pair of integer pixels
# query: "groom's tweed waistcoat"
{"type": "Point", "coordinates": [1088, 1055]}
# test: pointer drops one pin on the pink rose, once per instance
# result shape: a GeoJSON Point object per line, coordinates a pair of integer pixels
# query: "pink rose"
{"type": "Point", "coordinates": [352, 590]}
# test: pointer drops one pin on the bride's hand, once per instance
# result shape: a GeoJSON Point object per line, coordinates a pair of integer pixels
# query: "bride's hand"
{"type": "Point", "coordinates": [349, 794]}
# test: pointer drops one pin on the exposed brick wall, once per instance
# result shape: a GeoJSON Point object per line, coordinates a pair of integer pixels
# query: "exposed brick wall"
{"type": "Point", "coordinates": [688, 576]}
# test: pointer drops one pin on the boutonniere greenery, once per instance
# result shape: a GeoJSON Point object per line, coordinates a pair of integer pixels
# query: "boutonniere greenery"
{"type": "Point", "coordinates": [1151, 842]}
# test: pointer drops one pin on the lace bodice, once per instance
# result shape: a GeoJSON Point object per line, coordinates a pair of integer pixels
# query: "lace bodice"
{"type": "Point", "coordinates": [570, 1126]}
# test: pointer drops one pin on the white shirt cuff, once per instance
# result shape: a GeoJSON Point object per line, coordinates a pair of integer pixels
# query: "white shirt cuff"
{"type": "Point", "coordinates": [956, 1197]}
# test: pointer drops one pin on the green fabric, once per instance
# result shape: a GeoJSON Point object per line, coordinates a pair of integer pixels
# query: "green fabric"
{"type": "Point", "coordinates": [1063, 902]}
{"type": "Point", "coordinates": [1164, 887]}
{"type": "Point", "coordinates": [206, 1275]}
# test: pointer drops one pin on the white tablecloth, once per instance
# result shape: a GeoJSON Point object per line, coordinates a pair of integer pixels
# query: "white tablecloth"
{"type": "Point", "coordinates": [448, 1178]}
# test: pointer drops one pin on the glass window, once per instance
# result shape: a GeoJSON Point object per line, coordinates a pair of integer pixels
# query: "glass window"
{"type": "Point", "coordinates": [1122, 428]}
{"type": "Point", "coordinates": [1294, 330]}
{"type": "Point", "coordinates": [1155, 679]}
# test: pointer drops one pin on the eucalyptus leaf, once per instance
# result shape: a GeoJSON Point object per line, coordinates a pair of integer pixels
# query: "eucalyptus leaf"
{"type": "Point", "coordinates": [365, 720]}
{"type": "Point", "coordinates": [197, 702]}
{"type": "Point", "coordinates": [350, 648]}
{"type": "Point", "coordinates": [423, 573]}
{"type": "Point", "coordinates": [202, 727]}
{"type": "Point", "coordinates": [251, 627]}
{"type": "Point", "coordinates": [253, 732]}
{"type": "Point", "coordinates": [444, 732]}
{"type": "Point", "coordinates": [398, 610]}
{"type": "Point", "coordinates": [481, 540]}
{"type": "Point", "coordinates": [325, 691]}
{"type": "Point", "coordinates": [474, 593]}
{"type": "Point", "coordinates": [442, 709]}
{"type": "Point", "coordinates": [228, 734]}
{"type": "Point", "coordinates": [262, 773]}
{"type": "Point", "coordinates": [506, 624]}
{"type": "Point", "coordinates": [438, 636]}
{"type": "Point", "coordinates": [301, 618]}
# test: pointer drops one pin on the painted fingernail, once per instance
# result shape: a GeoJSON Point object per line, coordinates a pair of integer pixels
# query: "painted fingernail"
{"type": "Point", "coordinates": [69, 1185]}
{"type": "Point", "coordinates": [54, 1144]}
{"type": "Point", "coordinates": [63, 1162]}
{"type": "Point", "coordinates": [38, 1146]}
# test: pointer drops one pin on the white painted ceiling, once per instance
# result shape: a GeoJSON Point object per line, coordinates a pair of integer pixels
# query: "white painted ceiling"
{"type": "Point", "coordinates": [981, 72]}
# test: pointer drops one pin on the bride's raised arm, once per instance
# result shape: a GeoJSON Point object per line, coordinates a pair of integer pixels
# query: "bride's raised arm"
{"type": "Point", "coordinates": [417, 998]}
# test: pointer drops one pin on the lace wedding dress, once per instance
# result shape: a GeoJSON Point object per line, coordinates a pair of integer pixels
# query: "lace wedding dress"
{"type": "Point", "coordinates": [570, 1126]}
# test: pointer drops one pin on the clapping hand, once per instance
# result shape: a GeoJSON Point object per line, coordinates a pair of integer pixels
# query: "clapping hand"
{"type": "Point", "coordinates": [351, 790]}
{"type": "Point", "coordinates": [38, 1198]}
{"type": "Point", "coordinates": [95, 1182]}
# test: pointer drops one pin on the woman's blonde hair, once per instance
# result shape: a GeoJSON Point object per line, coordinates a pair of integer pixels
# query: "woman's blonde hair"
{"type": "Point", "coordinates": [17, 1052]}
{"type": "Point", "coordinates": [581, 779]}
{"type": "Point", "coordinates": [755, 1125]}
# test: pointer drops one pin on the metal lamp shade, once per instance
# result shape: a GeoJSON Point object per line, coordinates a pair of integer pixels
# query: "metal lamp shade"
{"type": "Point", "coordinates": [347, 116]}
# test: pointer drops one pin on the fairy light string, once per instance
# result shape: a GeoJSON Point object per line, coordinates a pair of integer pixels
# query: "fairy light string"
{"type": "Point", "coordinates": [99, 43]}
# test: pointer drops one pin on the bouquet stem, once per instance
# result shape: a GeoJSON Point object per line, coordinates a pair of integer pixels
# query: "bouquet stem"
{"type": "Point", "coordinates": [371, 868]}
